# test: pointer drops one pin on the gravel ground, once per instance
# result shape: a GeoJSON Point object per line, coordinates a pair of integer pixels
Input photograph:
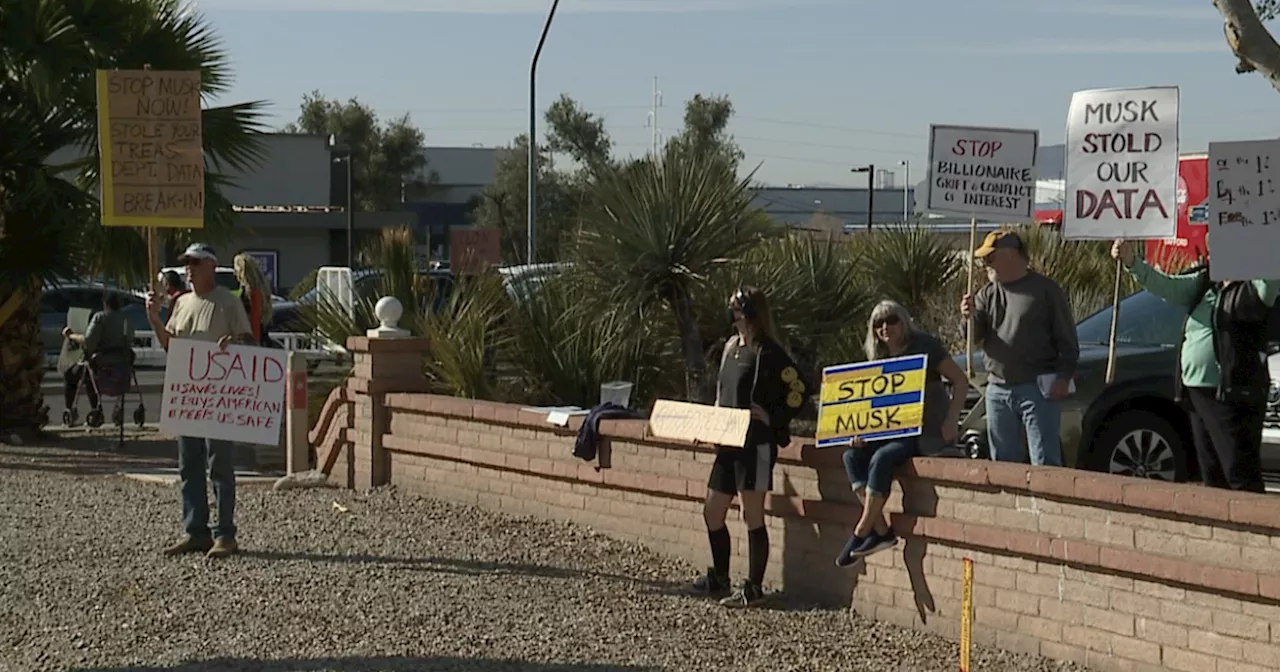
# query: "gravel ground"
{"type": "Point", "coordinates": [380, 581]}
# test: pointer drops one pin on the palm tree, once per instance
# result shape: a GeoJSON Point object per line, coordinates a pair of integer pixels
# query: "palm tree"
{"type": "Point", "coordinates": [49, 226]}
{"type": "Point", "coordinates": [656, 231]}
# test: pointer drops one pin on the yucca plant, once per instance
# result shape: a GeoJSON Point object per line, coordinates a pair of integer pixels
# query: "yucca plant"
{"type": "Point", "coordinates": [467, 335]}
{"type": "Point", "coordinates": [656, 232]}
{"type": "Point", "coordinates": [919, 268]}
{"type": "Point", "coordinates": [817, 293]}
{"type": "Point", "coordinates": [392, 254]}
{"type": "Point", "coordinates": [910, 264]}
{"type": "Point", "coordinates": [565, 344]}
{"type": "Point", "coordinates": [49, 227]}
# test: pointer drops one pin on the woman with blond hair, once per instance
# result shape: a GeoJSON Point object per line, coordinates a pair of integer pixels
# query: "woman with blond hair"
{"type": "Point", "coordinates": [892, 333]}
{"type": "Point", "coordinates": [758, 375]}
{"type": "Point", "coordinates": [255, 294]}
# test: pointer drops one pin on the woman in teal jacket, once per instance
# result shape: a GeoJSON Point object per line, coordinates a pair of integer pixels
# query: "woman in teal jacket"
{"type": "Point", "coordinates": [1222, 375]}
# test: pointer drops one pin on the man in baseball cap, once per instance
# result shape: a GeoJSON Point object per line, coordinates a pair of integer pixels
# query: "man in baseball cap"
{"type": "Point", "coordinates": [199, 252]}
{"type": "Point", "coordinates": [208, 313]}
{"type": "Point", "coordinates": [999, 240]}
{"type": "Point", "coordinates": [1023, 323]}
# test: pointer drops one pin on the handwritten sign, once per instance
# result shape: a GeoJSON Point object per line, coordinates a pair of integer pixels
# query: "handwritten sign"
{"type": "Point", "coordinates": [1122, 164]}
{"type": "Point", "coordinates": [474, 250]}
{"type": "Point", "coordinates": [149, 140]}
{"type": "Point", "coordinates": [982, 172]}
{"type": "Point", "coordinates": [873, 401]}
{"type": "Point", "coordinates": [236, 395]}
{"type": "Point", "coordinates": [1244, 209]}
{"type": "Point", "coordinates": [695, 422]}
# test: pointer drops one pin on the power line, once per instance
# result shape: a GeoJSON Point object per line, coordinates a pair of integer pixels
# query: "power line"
{"type": "Point", "coordinates": [843, 129]}
{"type": "Point", "coordinates": [818, 144]}
{"type": "Point", "coordinates": [464, 110]}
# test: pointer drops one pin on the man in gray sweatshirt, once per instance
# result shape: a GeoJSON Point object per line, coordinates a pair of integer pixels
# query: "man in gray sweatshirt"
{"type": "Point", "coordinates": [1023, 324]}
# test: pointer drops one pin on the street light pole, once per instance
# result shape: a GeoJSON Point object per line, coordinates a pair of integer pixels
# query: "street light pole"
{"type": "Point", "coordinates": [346, 154]}
{"type": "Point", "coordinates": [533, 132]}
{"type": "Point", "coordinates": [870, 170]}
{"type": "Point", "coordinates": [906, 194]}
{"type": "Point", "coordinates": [351, 215]}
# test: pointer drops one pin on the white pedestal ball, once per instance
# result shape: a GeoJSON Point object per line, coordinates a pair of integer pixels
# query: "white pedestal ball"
{"type": "Point", "coordinates": [388, 311]}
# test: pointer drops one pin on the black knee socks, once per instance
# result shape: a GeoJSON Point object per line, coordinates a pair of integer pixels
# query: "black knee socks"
{"type": "Point", "coordinates": [721, 547]}
{"type": "Point", "coordinates": [757, 554]}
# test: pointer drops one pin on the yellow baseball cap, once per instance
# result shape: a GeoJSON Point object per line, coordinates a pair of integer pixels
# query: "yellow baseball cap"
{"type": "Point", "coordinates": [998, 239]}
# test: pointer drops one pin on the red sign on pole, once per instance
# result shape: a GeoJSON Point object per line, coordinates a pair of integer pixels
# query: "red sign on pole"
{"type": "Point", "coordinates": [297, 390]}
{"type": "Point", "coordinates": [1188, 246]}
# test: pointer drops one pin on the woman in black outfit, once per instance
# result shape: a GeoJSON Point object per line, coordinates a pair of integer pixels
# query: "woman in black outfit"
{"type": "Point", "coordinates": [756, 373]}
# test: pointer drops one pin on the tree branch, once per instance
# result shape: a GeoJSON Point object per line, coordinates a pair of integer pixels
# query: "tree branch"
{"type": "Point", "coordinates": [1249, 40]}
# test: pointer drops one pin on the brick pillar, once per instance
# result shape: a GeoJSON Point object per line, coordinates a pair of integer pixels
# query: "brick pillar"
{"type": "Point", "coordinates": [382, 366]}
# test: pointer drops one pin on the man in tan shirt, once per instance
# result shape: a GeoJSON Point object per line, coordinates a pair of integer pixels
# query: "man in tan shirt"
{"type": "Point", "coordinates": [213, 314]}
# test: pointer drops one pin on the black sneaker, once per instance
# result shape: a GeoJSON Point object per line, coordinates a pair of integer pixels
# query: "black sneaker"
{"type": "Point", "coordinates": [710, 585]}
{"type": "Point", "coordinates": [874, 543]}
{"type": "Point", "coordinates": [846, 557]}
{"type": "Point", "coordinates": [747, 595]}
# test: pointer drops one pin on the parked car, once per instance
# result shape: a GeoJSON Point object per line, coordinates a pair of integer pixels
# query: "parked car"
{"type": "Point", "coordinates": [225, 276]}
{"type": "Point", "coordinates": [57, 300]}
{"type": "Point", "coordinates": [286, 315]}
{"type": "Point", "coordinates": [1131, 427]}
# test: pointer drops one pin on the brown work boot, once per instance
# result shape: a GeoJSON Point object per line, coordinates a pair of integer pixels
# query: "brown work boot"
{"type": "Point", "coordinates": [190, 545]}
{"type": "Point", "coordinates": [224, 547]}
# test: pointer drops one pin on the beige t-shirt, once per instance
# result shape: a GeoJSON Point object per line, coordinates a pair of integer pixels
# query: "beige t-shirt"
{"type": "Point", "coordinates": [210, 317]}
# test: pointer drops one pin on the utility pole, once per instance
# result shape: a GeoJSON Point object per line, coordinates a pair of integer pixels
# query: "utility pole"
{"type": "Point", "coordinates": [654, 128]}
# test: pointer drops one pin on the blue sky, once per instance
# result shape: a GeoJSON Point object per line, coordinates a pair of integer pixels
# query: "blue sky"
{"type": "Point", "coordinates": [819, 85]}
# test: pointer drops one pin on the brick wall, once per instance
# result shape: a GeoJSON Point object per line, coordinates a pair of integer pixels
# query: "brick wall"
{"type": "Point", "coordinates": [1117, 573]}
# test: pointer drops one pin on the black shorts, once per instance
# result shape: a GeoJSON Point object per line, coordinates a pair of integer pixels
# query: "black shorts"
{"type": "Point", "coordinates": [748, 469]}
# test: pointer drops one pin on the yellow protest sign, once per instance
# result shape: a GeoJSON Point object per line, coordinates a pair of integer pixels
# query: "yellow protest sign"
{"type": "Point", "coordinates": [873, 401]}
{"type": "Point", "coordinates": [149, 140]}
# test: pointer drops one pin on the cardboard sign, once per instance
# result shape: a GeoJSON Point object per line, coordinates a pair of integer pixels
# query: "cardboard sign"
{"type": "Point", "coordinates": [1244, 206]}
{"type": "Point", "coordinates": [697, 422]}
{"type": "Point", "coordinates": [872, 401]}
{"type": "Point", "coordinates": [235, 395]}
{"type": "Point", "coordinates": [474, 250]}
{"type": "Point", "coordinates": [1122, 164]}
{"type": "Point", "coordinates": [989, 173]}
{"type": "Point", "coordinates": [150, 142]}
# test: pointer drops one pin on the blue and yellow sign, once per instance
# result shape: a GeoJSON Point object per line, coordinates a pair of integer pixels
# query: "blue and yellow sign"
{"type": "Point", "coordinates": [872, 401]}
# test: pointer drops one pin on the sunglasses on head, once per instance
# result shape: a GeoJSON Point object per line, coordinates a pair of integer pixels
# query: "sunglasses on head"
{"type": "Point", "coordinates": [887, 320]}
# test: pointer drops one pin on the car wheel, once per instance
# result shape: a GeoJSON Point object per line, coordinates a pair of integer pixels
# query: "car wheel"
{"type": "Point", "coordinates": [1141, 444]}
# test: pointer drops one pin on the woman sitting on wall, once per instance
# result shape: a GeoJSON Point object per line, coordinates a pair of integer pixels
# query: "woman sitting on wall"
{"type": "Point", "coordinates": [756, 373]}
{"type": "Point", "coordinates": [892, 333]}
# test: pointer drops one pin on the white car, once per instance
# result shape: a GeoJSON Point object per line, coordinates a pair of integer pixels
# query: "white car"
{"type": "Point", "coordinates": [226, 276]}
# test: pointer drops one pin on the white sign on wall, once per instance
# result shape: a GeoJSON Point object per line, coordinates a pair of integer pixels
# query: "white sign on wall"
{"type": "Point", "coordinates": [988, 173]}
{"type": "Point", "coordinates": [235, 395]}
{"type": "Point", "coordinates": [1122, 164]}
{"type": "Point", "coordinates": [1244, 210]}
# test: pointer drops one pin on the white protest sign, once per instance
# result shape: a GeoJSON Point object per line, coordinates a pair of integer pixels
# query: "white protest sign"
{"type": "Point", "coordinates": [1243, 207]}
{"type": "Point", "coordinates": [234, 395]}
{"type": "Point", "coordinates": [988, 173]}
{"type": "Point", "coordinates": [1122, 164]}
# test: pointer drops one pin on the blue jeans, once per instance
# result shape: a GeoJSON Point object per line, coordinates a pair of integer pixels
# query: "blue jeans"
{"type": "Point", "coordinates": [1010, 408]}
{"type": "Point", "coordinates": [195, 455]}
{"type": "Point", "coordinates": [872, 465]}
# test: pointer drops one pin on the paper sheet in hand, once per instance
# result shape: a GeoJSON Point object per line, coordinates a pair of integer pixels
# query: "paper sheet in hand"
{"type": "Point", "coordinates": [698, 422]}
{"type": "Point", "coordinates": [78, 320]}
